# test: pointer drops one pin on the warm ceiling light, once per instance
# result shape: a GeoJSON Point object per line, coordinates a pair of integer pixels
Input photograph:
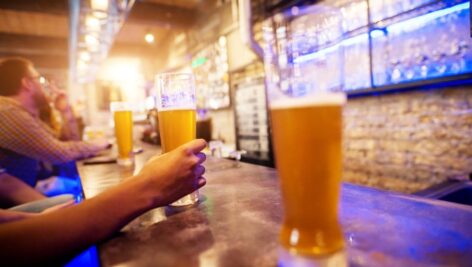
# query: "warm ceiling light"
{"type": "Point", "coordinates": [149, 37]}
{"type": "Point", "coordinates": [91, 40]}
{"type": "Point", "coordinates": [222, 41]}
{"type": "Point", "coordinates": [92, 23]}
{"type": "Point", "coordinates": [101, 5]}
{"type": "Point", "coordinates": [81, 65]}
{"type": "Point", "coordinates": [85, 56]}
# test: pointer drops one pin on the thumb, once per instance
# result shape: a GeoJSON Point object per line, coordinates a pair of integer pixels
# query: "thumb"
{"type": "Point", "coordinates": [195, 146]}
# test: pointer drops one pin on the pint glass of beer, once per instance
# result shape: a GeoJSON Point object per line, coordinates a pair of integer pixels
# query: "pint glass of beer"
{"type": "Point", "coordinates": [123, 121]}
{"type": "Point", "coordinates": [305, 101]}
{"type": "Point", "coordinates": [176, 107]}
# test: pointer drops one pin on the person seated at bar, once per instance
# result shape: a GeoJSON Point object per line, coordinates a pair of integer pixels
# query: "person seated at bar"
{"type": "Point", "coordinates": [54, 237]}
{"type": "Point", "coordinates": [25, 140]}
{"type": "Point", "coordinates": [56, 111]}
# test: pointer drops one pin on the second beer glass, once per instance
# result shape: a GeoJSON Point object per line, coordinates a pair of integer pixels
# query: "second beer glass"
{"type": "Point", "coordinates": [176, 107]}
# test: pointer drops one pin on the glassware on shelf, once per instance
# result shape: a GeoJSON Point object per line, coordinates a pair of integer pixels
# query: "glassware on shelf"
{"type": "Point", "coordinates": [304, 44]}
{"type": "Point", "coordinates": [356, 62]}
{"type": "Point", "coordinates": [463, 56]}
{"type": "Point", "coordinates": [439, 63]}
{"type": "Point", "coordinates": [384, 9]}
{"type": "Point", "coordinates": [210, 66]}
{"type": "Point", "coordinates": [431, 45]}
{"type": "Point", "coordinates": [411, 41]}
{"type": "Point", "coordinates": [421, 66]}
{"type": "Point", "coordinates": [397, 73]}
{"type": "Point", "coordinates": [354, 14]}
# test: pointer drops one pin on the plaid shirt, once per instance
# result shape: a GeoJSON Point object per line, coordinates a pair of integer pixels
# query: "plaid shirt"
{"type": "Point", "coordinates": [25, 141]}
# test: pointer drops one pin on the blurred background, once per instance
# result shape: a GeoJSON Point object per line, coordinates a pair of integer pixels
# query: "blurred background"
{"type": "Point", "coordinates": [405, 65]}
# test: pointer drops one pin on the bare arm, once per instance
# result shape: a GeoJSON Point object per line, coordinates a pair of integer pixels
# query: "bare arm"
{"type": "Point", "coordinates": [59, 234]}
{"type": "Point", "coordinates": [14, 215]}
{"type": "Point", "coordinates": [10, 215]}
{"type": "Point", "coordinates": [13, 191]}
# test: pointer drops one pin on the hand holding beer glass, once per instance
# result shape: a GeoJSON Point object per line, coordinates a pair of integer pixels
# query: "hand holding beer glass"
{"type": "Point", "coordinates": [306, 118]}
{"type": "Point", "coordinates": [123, 121]}
{"type": "Point", "coordinates": [176, 108]}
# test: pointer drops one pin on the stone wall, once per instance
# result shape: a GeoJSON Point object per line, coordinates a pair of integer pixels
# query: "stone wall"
{"type": "Point", "coordinates": [408, 141]}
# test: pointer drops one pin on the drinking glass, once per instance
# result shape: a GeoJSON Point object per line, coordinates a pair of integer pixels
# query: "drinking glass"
{"type": "Point", "coordinates": [176, 109]}
{"type": "Point", "coordinates": [123, 124]}
{"type": "Point", "coordinates": [307, 137]}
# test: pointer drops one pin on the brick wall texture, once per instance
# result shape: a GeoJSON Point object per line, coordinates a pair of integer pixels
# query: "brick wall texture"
{"type": "Point", "coordinates": [406, 142]}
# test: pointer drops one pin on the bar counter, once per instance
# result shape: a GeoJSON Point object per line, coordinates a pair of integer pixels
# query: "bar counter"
{"type": "Point", "coordinates": [238, 219]}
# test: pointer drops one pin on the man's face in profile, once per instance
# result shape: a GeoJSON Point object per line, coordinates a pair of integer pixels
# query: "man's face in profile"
{"type": "Point", "coordinates": [40, 99]}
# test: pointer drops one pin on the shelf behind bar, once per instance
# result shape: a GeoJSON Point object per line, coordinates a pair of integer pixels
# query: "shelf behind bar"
{"type": "Point", "coordinates": [430, 83]}
{"type": "Point", "coordinates": [422, 10]}
{"type": "Point", "coordinates": [434, 83]}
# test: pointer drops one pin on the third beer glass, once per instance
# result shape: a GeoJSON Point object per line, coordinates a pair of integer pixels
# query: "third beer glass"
{"type": "Point", "coordinates": [123, 122]}
{"type": "Point", "coordinates": [177, 117]}
{"type": "Point", "coordinates": [304, 80]}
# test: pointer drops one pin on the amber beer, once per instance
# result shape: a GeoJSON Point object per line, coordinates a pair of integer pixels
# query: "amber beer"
{"type": "Point", "coordinates": [307, 139]}
{"type": "Point", "coordinates": [123, 120]}
{"type": "Point", "coordinates": [176, 127]}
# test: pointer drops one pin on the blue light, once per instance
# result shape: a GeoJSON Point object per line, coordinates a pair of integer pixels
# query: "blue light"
{"type": "Point", "coordinates": [316, 55]}
{"type": "Point", "coordinates": [362, 38]}
{"type": "Point", "coordinates": [377, 33]}
{"type": "Point", "coordinates": [403, 26]}
{"type": "Point", "coordinates": [420, 21]}
{"type": "Point", "coordinates": [321, 53]}
{"type": "Point", "coordinates": [87, 257]}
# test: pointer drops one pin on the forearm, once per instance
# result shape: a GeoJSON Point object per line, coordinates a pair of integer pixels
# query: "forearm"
{"type": "Point", "coordinates": [15, 192]}
{"type": "Point", "coordinates": [64, 232]}
{"type": "Point", "coordinates": [10, 216]}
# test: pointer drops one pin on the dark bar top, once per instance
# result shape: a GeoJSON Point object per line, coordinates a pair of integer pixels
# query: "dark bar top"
{"type": "Point", "coordinates": [237, 223]}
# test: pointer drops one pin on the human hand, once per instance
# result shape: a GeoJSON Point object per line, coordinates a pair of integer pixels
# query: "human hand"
{"type": "Point", "coordinates": [60, 99]}
{"type": "Point", "coordinates": [174, 174]}
{"type": "Point", "coordinates": [102, 144]}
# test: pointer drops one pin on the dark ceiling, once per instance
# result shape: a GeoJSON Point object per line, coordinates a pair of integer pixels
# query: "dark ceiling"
{"type": "Point", "coordinates": [38, 29]}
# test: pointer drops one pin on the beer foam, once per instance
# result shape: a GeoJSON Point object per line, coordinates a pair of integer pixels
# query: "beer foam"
{"type": "Point", "coordinates": [325, 99]}
{"type": "Point", "coordinates": [177, 108]}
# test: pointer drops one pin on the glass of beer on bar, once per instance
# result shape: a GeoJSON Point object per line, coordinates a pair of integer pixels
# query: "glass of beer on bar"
{"type": "Point", "coordinates": [176, 109]}
{"type": "Point", "coordinates": [123, 124]}
{"type": "Point", "coordinates": [305, 100]}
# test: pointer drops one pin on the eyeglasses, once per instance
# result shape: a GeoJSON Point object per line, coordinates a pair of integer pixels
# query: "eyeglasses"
{"type": "Point", "coordinates": [42, 80]}
{"type": "Point", "coordinates": [45, 84]}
